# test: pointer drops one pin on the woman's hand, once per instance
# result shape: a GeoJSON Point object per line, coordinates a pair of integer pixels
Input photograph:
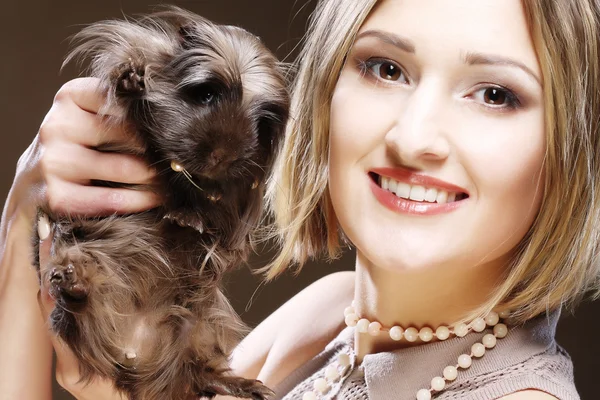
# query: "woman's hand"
{"type": "Point", "coordinates": [69, 161]}
{"type": "Point", "coordinates": [57, 170]}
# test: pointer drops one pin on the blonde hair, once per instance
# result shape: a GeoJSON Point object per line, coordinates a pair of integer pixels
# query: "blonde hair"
{"type": "Point", "coordinates": [556, 262]}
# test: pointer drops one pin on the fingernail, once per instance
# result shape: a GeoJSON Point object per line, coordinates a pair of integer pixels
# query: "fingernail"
{"type": "Point", "coordinates": [43, 227]}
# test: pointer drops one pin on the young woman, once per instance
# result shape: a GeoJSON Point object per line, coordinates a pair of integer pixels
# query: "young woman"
{"type": "Point", "coordinates": [454, 144]}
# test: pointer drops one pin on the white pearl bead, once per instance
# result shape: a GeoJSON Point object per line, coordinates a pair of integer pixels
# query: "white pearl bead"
{"type": "Point", "coordinates": [362, 325]}
{"type": "Point", "coordinates": [351, 319]}
{"type": "Point", "coordinates": [500, 331]}
{"type": "Point", "coordinates": [489, 341]}
{"type": "Point", "coordinates": [349, 310]}
{"type": "Point", "coordinates": [423, 394]}
{"type": "Point", "coordinates": [344, 360]}
{"type": "Point", "coordinates": [461, 330]}
{"type": "Point", "coordinates": [396, 333]}
{"type": "Point", "coordinates": [504, 314]}
{"type": "Point", "coordinates": [479, 325]}
{"type": "Point", "coordinates": [438, 383]}
{"type": "Point", "coordinates": [478, 350]}
{"type": "Point", "coordinates": [411, 334]}
{"type": "Point", "coordinates": [321, 385]}
{"type": "Point", "coordinates": [331, 373]}
{"type": "Point", "coordinates": [374, 328]}
{"type": "Point", "coordinates": [353, 303]}
{"type": "Point", "coordinates": [442, 332]}
{"type": "Point", "coordinates": [426, 334]}
{"type": "Point", "coordinates": [492, 318]}
{"type": "Point", "coordinates": [309, 396]}
{"type": "Point", "coordinates": [450, 372]}
{"type": "Point", "coordinates": [464, 361]}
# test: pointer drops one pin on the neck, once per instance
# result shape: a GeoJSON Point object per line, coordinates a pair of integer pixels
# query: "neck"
{"type": "Point", "coordinates": [434, 297]}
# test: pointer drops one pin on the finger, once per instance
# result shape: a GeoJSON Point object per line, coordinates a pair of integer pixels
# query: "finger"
{"type": "Point", "coordinates": [81, 165]}
{"type": "Point", "coordinates": [45, 233]}
{"type": "Point", "coordinates": [71, 198]}
{"type": "Point", "coordinates": [95, 131]}
{"type": "Point", "coordinates": [81, 104]}
{"type": "Point", "coordinates": [87, 94]}
{"type": "Point", "coordinates": [68, 122]}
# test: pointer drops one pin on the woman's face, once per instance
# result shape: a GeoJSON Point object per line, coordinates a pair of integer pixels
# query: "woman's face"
{"type": "Point", "coordinates": [439, 100]}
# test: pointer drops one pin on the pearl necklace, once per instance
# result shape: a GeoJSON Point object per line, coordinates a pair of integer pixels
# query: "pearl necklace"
{"type": "Point", "coordinates": [341, 368]}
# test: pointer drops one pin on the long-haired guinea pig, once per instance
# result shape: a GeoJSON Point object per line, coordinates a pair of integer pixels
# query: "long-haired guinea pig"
{"type": "Point", "coordinates": [138, 297]}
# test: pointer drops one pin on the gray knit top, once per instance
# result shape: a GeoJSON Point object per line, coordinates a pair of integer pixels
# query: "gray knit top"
{"type": "Point", "coordinates": [527, 358]}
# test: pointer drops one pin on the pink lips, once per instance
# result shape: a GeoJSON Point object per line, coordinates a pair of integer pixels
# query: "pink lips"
{"type": "Point", "coordinates": [400, 205]}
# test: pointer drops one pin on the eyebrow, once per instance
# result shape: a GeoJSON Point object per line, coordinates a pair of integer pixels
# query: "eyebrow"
{"type": "Point", "coordinates": [390, 38]}
{"type": "Point", "coordinates": [471, 58]}
{"type": "Point", "coordinates": [489, 59]}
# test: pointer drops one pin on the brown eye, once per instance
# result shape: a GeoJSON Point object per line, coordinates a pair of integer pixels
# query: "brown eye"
{"type": "Point", "coordinates": [387, 71]}
{"type": "Point", "coordinates": [497, 97]}
{"type": "Point", "coordinates": [494, 96]}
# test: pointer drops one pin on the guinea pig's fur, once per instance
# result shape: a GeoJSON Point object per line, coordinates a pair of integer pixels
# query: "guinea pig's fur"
{"type": "Point", "coordinates": [138, 297]}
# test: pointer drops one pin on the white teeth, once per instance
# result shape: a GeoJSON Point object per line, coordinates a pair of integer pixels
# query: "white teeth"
{"type": "Point", "coordinates": [403, 190]}
{"type": "Point", "coordinates": [392, 185]}
{"type": "Point", "coordinates": [417, 193]}
{"type": "Point", "coordinates": [385, 182]}
{"type": "Point", "coordinates": [442, 197]}
{"type": "Point", "coordinates": [431, 195]}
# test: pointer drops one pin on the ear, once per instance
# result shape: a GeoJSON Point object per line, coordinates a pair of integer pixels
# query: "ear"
{"type": "Point", "coordinates": [272, 124]}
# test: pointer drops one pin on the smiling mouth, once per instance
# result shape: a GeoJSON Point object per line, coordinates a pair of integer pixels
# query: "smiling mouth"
{"type": "Point", "coordinates": [416, 193]}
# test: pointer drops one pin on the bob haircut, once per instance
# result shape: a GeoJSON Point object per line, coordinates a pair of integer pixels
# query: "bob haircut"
{"type": "Point", "coordinates": [557, 262]}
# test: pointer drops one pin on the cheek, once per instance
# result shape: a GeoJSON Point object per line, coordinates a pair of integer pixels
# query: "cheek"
{"type": "Point", "coordinates": [506, 167]}
{"type": "Point", "coordinates": [510, 164]}
{"type": "Point", "coordinates": [359, 121]}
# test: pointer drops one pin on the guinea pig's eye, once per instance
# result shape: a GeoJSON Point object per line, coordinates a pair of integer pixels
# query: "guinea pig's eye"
{"type": "Point", "coordinates": [78, 233]}
{"type": "Point", "coordinates": [204, 93]}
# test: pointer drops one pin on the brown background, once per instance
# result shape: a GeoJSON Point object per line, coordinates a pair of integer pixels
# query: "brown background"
{"type": "Point", "coordinates": [33, 43]}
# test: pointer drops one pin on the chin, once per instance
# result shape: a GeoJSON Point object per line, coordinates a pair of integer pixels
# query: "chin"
{"type": "Point", "coordinates": [389, 250]}
{"type": "Point", "coordinates": [400, 260]}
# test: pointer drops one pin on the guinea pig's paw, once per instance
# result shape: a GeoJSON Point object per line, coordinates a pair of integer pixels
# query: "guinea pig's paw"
{"type": "Point", "coordinates": [131, 78]}
{"type": "Point", "coordinates": [66, 285]}
{"type": "Point", "coordinates": [186, 219]}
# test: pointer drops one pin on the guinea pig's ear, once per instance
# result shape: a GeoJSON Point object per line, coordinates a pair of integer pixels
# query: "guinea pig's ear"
{"type": "Point", "coordinates": [187, 33]}
{"type": "Point", "coordinates": [272, 124]}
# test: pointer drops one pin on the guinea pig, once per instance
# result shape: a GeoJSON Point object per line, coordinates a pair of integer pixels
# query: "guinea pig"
{"type": "Point", "coordinates": [139, 297]}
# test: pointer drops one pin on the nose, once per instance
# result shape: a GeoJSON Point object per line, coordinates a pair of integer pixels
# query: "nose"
{"type": "Point", "coordinates": [419, 135]}
{"type": "Point", "coordinates": [216, 157]}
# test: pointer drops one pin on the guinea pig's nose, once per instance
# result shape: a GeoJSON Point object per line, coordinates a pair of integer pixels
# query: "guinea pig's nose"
{"type": "Point", "coordinates": [216, 157]}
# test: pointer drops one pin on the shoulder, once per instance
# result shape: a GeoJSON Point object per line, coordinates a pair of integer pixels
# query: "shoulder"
{"type": "Point", "coordinates": [529, 395]}
{"type": "Point", "coordinates": [547, 375]}
{"type": "Point", "coordinates": [297, 331]}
